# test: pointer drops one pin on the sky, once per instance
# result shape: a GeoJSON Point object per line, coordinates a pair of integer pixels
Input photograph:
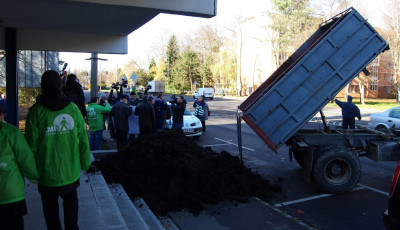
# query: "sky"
{"type": "Point", "coordinates": [145, 42]}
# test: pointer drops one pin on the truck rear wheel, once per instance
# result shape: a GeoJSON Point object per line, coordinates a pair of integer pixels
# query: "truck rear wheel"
{"type": "Point", "coordinates": [336, 170]}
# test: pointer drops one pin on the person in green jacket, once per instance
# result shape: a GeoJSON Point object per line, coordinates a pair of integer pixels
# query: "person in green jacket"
{"type": "Point", "coordinates": [95, 121]}
{"type": "Point", "coordinates": [56, 133]}
{"type": "Point", "coordinates": [16, 161]}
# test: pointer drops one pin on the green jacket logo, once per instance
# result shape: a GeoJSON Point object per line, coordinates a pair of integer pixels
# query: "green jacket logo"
{"type": "Point", "coordinates": [63, 124]}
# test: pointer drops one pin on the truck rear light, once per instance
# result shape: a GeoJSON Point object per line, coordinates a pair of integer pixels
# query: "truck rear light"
{"type": "Point", "coordinates": [395, 180]}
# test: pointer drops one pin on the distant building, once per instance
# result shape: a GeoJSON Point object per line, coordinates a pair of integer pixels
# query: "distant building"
{"type": "Point", "coordinates": [31, 66]}
{"type": "Point", "coordinates": [380, 82]}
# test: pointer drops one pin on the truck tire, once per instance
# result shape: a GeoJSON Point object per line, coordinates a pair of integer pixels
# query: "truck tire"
{"type": "Point", "coordinates": [336, 170]}
{"type": "Point", "coordinates": [211, 98]}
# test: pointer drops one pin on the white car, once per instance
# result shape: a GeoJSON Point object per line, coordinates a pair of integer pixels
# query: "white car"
{"type": "Point", "coordinates": [205, 92]}
{"type": "Point", "coordinates": [386, 121]}
{"type": "Point", "coordinates": [191, 124]}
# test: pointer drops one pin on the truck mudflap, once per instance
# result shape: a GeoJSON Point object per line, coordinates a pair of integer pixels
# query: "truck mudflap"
{"type": "Point", "coordinates": [339, 50]}
{"type": "Point", "coordinates": [383, 150]}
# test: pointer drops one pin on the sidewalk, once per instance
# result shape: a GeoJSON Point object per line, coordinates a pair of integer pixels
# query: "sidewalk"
{"type": "Point", "coordinates": [98, 210]}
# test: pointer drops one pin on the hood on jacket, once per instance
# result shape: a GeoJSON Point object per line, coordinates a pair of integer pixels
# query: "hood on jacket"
{"type": "Point", "coordinates": [72, 84]}
{"type": "Point", "coordinates": [52, 103]}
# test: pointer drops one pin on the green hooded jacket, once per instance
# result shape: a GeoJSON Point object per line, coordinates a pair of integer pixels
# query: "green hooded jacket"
{"type": "Point", "coordinates": [16, 161]}
{"type": "Point", "coordinates": [95, 116]}
{"type": "Point", "coordinates": [56, 133]}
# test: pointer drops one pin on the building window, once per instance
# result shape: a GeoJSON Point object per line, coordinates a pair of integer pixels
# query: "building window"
{"type": "Point", "coordinates": [389, 77]}
{"type": "Point", "coordinates": [353, 89]}
{"type": "Point", "coordinates": [387, 90]}
{"type": "Point", "coordinates": [374, 85]}
{"type": "Point", "coordinates": [282, 57]}
{"type": "Point", "coordinates": [390, 65]}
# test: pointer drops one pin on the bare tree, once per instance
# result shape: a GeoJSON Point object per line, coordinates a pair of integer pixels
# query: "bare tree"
{"type": "Point", "coordinates": [392, 21]}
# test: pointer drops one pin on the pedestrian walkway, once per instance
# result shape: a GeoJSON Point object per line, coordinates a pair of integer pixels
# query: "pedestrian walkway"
{"type": "Point", "coordinates": [97, 208]}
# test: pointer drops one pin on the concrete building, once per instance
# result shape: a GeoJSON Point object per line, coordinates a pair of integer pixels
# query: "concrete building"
{"type": "Point", "coordinates": [31, 66]}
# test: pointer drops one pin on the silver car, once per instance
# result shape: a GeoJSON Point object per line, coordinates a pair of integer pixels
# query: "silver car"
{"type": "Point", "coordinates": [385, 121]}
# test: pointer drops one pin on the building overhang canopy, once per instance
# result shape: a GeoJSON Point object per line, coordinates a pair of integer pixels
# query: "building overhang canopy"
{"type": "Point", "coordinates": [100, 26]}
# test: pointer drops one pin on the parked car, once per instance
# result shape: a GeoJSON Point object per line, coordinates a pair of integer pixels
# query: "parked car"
{"type": "Point", "coordinates": [391, 217]}
{"type": "Point", "coordinates": [386, 121]}
{"type": "Point", "coordinates": [206, 92]}
{"type": "Point", "coordinates": [191, 124]}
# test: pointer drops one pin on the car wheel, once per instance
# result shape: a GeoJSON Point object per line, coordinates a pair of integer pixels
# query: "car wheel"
{"type": "Point", "coordinates": [336, 170]}
{"type": "Point", "coordinates": [382, 128]}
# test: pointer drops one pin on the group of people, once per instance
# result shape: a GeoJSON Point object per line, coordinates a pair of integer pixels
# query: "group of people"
{"type": "Point", "coordinates": [55, 147]}
{"type": "Point", "coordinates": [52, 153]}
{"type": "Point", "coordinates": [137, 114]}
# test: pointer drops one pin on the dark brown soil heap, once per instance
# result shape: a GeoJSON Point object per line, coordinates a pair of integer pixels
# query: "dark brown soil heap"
{"type": "Point", "coordinates": [171, 172]}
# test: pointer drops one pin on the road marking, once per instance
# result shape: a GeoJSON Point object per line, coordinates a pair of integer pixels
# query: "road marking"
{"type": "Point", "coordinates": [234, 144]}
{"type": "Point", "coordinates": [215, 145]}
{"type": "Point", "coordinates": [374, 189]}
{"type": "Point", "coordinates": [311, 198]}
{"type": "Point", "coordinates": [284, 214]}
{"type": "Point", "coordinates": [302, 200]}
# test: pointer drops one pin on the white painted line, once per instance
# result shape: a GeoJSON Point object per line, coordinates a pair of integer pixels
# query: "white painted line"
{"type": "Point", "coordinates": [310, 198]}
{"type": "Point", "coordinates": [105, 151]}
{"type": "Point", "coordinates": [284, 214]}
{"type": "Point", "coordinates": [215, 145]}
{"type": "Point", "coordinates": [234, 144]}
{"type": "Point", "coordinates": [374, 189]}
{"type": "Point", "coordinates": [302, 200]}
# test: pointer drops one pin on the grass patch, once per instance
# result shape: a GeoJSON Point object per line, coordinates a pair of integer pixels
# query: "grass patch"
{"type": "Point", "coordinates": [381, 104]}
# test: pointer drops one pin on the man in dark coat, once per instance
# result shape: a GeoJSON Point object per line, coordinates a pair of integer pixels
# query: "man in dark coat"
{"type": "Point", "coordinates": [178, 107]}
{"type": "Point", "coordinates": [145, 112]}
{"type": "Point", "coordinates": [121, 112]}
{"type": "Point", "coordinates": [349, 112]}
{"type": "Point", "coordinates": [160, 106]}
{"type": "Point", "coordinates": [73, 91]}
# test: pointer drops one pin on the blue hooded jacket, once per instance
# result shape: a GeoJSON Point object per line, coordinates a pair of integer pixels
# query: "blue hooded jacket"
{"type": "Point", "coordinates": [349, 109]}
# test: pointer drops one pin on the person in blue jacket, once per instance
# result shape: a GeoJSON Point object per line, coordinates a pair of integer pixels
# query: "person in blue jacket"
{"type": "Point", "coordinates": [3, 105]}
{"type": "Point", "coordinates": [159, 111]}
{"type": "Point", "coordinates": [349, 112]}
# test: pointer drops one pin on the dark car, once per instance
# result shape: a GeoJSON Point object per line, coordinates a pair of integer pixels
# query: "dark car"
{"type": "Point", "coordinates": [391, 217]}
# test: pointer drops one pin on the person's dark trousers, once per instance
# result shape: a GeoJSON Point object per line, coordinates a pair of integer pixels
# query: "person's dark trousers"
{"type": "Point", "coordinates": [159, 123]}
{"type": "Point", "coordinates": [203, 124]}
{"type": "Point", "coordinates": [349, 122]}
{"type": "Point", "coordinates": [131, 136]}
{"type": "Point", "coordinates": [122, 138]}
{"type": "Point", "coordinates": [11, 215]}
{"type": "Point", "coordinates": [111, 127]}
{"type": "Point", "coordinates": [51, 214]}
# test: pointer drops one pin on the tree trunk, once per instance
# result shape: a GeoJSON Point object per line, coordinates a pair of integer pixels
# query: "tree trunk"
{"type": "Point", "coordinates": [362, 93]}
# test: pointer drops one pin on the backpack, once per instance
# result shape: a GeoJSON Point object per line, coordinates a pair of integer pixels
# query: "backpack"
{"type": "Point", "coordinates": [199, 111]}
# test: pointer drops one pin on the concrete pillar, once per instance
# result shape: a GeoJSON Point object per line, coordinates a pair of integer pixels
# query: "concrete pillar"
{"type": "Point", "coordinates": [93, 77]}
{"type": "Point", "coordinates": [11, 76]}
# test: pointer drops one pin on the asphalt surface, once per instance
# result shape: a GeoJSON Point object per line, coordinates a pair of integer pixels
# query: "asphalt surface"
{"type": "Point", "coordinates": [361, 208]}
{"type": "Point", "coordinates": [300, 205]}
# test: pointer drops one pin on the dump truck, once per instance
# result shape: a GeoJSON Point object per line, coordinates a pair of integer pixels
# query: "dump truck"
{"type": "Point", "coordinates": [313, 75]}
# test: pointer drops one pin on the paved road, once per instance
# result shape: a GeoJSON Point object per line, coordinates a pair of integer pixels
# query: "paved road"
{"type": "Point", "coordinates": [359, 209]}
